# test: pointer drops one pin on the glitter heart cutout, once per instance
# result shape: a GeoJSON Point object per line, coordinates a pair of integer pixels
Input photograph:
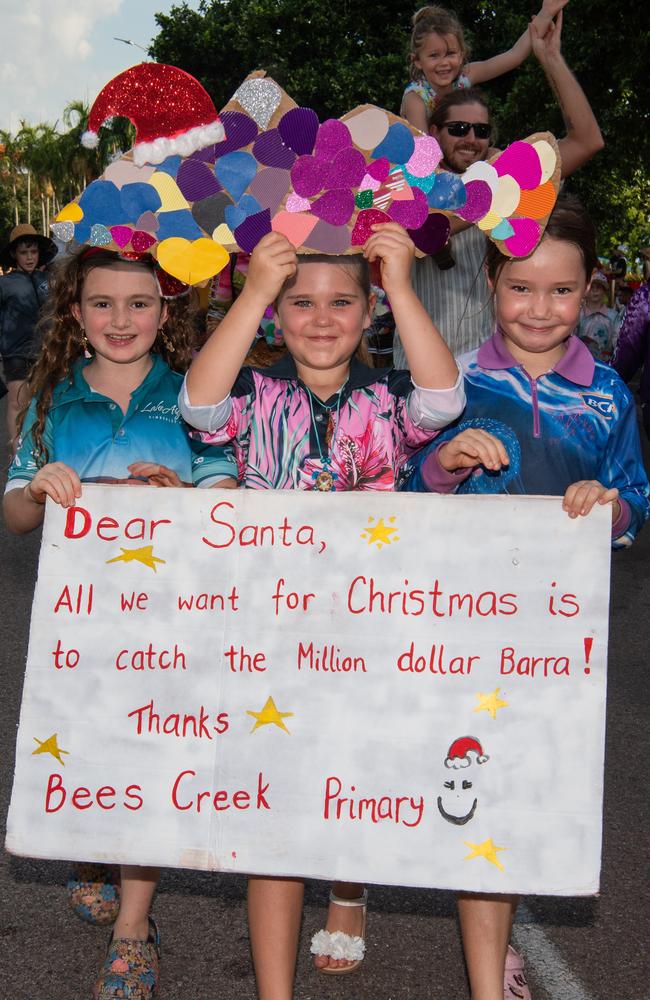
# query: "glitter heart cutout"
{"type": "Point", "coordinates": [63, 231]}
{"type": "Point", "coordinates": [366, 219]}
{"type": "Point", "coordinates": [260, 98]}
{"type": "Point", "coordinates": [121, 235]}
{"type": "Point", "coordinates": [335, 207]}
{"type": "Point", "coordinates": [141, 242]}
{"type": "Point", "coordinates": [99, 236]}
{"type": "Point", "coordinates": [308, 176]}
{"type": "Point", "coordinates": [347, 169]}
{"type": "Point", "coordinates": [295, 203]}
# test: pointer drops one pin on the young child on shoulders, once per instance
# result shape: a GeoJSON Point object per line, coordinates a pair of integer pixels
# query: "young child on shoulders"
{"type": "Point", "coordinates": [438, 59]}
{"type": "Point", "coordinates": [102, 408]}
{"type": "Point", "coordinates": [542, 417]}
{"type": "Point", "coordinates": [322, 420]}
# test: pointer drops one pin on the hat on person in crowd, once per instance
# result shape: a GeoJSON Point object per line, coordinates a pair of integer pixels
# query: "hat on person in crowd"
{"type": "Point", "coordinates": [599, 278]}
{"type": "Point", "coordinates": [47, 248]}
{"type": "Point", "coordinates": [189, 198]}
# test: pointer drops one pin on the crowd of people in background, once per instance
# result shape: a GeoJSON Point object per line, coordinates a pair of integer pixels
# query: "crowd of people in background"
{"type": "Point", "coordinates": [239, 353]}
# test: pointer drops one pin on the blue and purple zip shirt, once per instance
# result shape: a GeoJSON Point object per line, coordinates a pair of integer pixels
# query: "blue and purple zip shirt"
{"type": "Point", "coordinates": [577, 421]}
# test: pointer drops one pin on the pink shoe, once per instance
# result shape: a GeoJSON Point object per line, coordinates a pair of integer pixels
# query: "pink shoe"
{"type": "Point", "coordinates": [515, 986]}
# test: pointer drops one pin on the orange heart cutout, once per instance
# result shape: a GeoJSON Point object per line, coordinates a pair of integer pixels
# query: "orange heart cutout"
{"type": "Point", "coordinates": [192, 262]}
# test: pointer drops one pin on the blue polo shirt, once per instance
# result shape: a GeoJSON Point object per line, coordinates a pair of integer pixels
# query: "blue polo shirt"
{"type": "Point", "coordinates": [89, 432]}
{"type": "Point", "coordinates": [577, 421]}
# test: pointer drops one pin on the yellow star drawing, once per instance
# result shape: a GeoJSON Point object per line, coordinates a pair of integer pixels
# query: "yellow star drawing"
{"type": "Point", "coordinates": [488, 850]}
{"type": "Point", "coordinates": [144, 555]}
{"type": "Point", "coordinates": [380, 533]}
{"type": "Point", "coordinates": [50, 745]}
{"type": "Point", "coordinates": [490, 702]}
{"type": "Point", "coordinates": [270, 715]}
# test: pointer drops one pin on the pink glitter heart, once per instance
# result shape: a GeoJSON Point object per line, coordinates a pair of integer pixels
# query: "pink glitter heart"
{"type": "Point", "coordinates": [142, 241]}
{"type": "Point", "coordinates": [297, 204]}
{"type": "Point", "coordinates": [332, 137]}
{"type": "Point", "coordinates": [379, 169]}
{"type": "Point", "coordinates": [308, 176]}
{"type": "Point", "coordinates": [369, 183]}
{"type": "Point", "coordinates": [479, 199]}
{"type": "Point", "coordinates": [121, 235]}
{"type": "Point", "coordinates": [367, 218]}
{"type": "Point", "coordinates": [410, 214]}
{"type": "Point", "coordinates": [335, 207]}
{"type": "Point", "coordinates": [426, 156]}
{"type": "Point", "coordinates": [346, 169]}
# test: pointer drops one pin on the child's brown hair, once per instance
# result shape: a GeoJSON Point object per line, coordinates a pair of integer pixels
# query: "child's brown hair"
{"type": "Point", "coordinates": [63, 341]}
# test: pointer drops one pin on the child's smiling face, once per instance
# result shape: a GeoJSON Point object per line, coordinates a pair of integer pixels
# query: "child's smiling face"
{"type": "Point", "coordinates": [440, 58]}
{"type": "Point", "coordinates": [322, 314]}
{"type": "Point", "coordinates": [538, 303]}
{"type": "Point", "coordinates": [120, 311]}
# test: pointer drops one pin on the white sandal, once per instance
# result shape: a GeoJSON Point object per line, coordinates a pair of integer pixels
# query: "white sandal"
{"type": "Point", "coordinates": [337, 944]}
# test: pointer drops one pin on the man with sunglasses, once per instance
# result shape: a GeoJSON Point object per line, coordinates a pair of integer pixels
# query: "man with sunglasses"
{"type": "Point", "coordinates": [452, 286]}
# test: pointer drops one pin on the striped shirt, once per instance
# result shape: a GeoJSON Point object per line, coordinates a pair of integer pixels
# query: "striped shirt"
{"type": "Point", "coordinates": [457, 300]}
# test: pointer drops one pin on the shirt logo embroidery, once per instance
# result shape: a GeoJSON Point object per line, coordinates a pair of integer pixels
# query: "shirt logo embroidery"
{"type": "Point", "coordinates": [158, 411]}
{"type": "Point", "coordinates": [604, 405]}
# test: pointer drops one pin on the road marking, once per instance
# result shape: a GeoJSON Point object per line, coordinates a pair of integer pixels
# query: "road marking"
{"type": "Point", "coordinates": [545, 960]}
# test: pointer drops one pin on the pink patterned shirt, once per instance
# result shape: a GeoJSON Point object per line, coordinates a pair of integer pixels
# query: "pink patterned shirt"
{"type": "Point", "coordinates": [281, 435]}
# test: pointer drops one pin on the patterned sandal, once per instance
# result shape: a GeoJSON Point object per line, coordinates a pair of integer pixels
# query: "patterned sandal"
{"type": "Point", "coordinates": [130, 968]}
{"type": "Point", "coordinates": [515, 986]}
{"type": "Point", "coordinates": [94, 893]}
{"type": "Point", "coordinates": [338, 945]}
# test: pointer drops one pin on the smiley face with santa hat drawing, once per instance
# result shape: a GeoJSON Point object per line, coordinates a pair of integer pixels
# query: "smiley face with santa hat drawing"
{"type": "Point", "coordinates": [457, 804]}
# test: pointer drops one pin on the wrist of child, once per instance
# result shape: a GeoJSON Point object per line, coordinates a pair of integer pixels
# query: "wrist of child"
{"type": "Point", "coordinates": [30, 495]}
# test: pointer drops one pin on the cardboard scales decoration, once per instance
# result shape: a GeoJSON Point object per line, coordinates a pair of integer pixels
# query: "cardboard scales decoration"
{"type": "Point", "coordinates": [188, 196]}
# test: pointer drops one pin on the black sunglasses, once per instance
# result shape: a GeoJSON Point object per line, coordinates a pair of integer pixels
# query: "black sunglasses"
{"type": "Point", "coordinates": [461, 129]}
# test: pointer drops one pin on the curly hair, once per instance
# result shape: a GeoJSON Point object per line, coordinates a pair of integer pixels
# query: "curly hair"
{"type": "Point", "coordinates": [434, 20]}
{"type": "Point", "coordinates": [64, 342]}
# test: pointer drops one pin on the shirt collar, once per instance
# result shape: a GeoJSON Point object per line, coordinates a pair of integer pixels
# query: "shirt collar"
{"type": "Point", "coordinates": [76, 386]}
{"type": "Point", "coordinates": [576, 364]}
{"type": "Point", "coordinates": [360, 375]}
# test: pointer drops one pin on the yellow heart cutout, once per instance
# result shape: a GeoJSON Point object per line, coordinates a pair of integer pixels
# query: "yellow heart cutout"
{"type": "Point", "coordinates": [192, 262]}
{"type": "Point", "coordinates": [71, 212]}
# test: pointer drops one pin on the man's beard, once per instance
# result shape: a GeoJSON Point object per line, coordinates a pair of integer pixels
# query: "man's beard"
{"type": "Point", "coordinates": [458, 162]}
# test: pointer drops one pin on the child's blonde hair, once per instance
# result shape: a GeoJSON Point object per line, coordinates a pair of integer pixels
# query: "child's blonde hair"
{"type": "Point", "coordinates": [433, 20]}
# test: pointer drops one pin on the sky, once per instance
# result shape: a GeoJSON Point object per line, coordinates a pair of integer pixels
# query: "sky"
{"type": "Point", "coordinates": [57, 51]}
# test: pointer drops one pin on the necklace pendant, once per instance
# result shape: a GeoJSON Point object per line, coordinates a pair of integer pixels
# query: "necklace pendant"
{"type": "Point", "coordinates": [325, 482]}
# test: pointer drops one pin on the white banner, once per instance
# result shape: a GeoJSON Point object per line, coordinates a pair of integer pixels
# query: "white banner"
{"type": "Point", "coordinates": [393, 688]}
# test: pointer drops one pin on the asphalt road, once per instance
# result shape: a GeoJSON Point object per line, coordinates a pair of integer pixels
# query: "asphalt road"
{"type": "Point", "coordinates": [577, 949]}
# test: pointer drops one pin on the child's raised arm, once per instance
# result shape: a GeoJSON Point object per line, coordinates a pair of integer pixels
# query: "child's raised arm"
{"type": "Point", "coordinates": [213, 372]}
{"type": "Point", "coordinates": [431, 362]}
{"type": "Point", "coordinates": [488, 69]}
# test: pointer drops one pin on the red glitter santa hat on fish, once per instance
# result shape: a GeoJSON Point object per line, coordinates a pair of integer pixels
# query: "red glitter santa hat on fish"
{"type": "Point", "coordinates": [171, 111]}
{"type": "Point", "coordinates": [461, 751]}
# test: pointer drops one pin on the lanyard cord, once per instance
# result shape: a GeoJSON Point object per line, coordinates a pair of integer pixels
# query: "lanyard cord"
{"type": "Point", "coordinates": [325, 460]}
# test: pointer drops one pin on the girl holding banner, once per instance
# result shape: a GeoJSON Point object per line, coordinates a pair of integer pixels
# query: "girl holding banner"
{"type": "Point", "coordinates": [351, 427]}
{"type": "Point", "coordinates": [543, 417]}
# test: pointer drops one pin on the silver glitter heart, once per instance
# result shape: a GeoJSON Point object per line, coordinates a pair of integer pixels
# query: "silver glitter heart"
{"type": "Point", "coordinates": [63, 231]}
{"type": "Point", "coordinates": [260, 98]}
{"type": "Point", "coordinates": [99, 236]}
